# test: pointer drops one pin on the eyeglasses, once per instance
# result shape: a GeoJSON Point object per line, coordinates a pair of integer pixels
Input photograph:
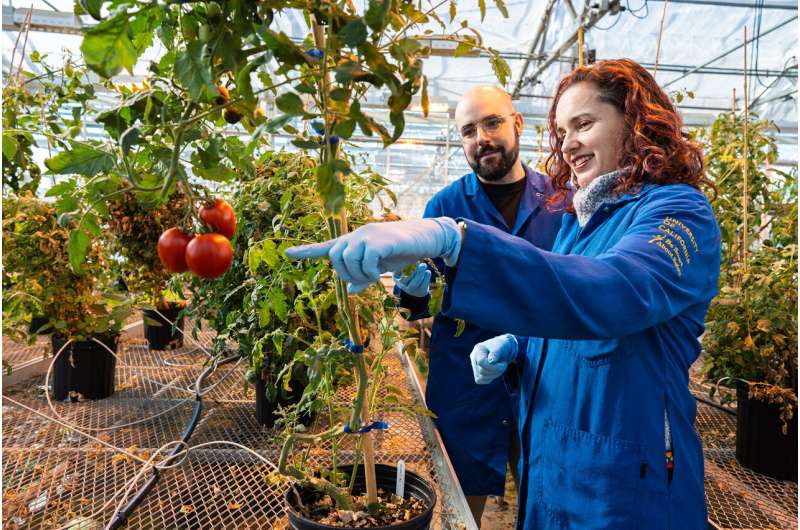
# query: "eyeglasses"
{"type": "Point", "coordinates": [489, 125]}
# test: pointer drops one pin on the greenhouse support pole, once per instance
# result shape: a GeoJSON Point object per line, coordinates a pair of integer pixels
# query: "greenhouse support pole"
{"type": "Point", "coordinates": [540, 32]}
{"type": "Point", "coordinates": [564, 47]}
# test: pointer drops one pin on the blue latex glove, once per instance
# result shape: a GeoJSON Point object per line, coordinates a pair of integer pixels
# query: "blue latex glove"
{"type": "Point", "coordinates": [490, 358]}
{"type": "Point", "coordinates": [415, 284]}
{"type": "Point", "coordinates": [362, 255]}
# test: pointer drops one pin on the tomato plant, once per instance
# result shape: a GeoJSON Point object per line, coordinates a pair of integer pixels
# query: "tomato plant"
{"type": "Point", "coordinates": [220, 217]}
{"type": "Point", "coordinates": [209, 255]}
{"type": "Point", "coordinates": [222, 59]}
{"type": "Point", "coordinates": [751, 326]}
{"type": "Point", "coordinates": [172, 250]}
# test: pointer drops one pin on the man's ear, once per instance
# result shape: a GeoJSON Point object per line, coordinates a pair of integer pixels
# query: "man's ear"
{"type": "Point", "coordinates": [518, 123]}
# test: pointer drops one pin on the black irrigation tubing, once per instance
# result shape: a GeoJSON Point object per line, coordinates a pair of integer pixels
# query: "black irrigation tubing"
{"type": "Point", "coordinates": [122, 515]}
{"type": "Point", "coordinates": [715, 405]}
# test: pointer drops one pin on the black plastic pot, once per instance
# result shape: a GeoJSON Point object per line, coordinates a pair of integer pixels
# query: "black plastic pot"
{"type": "Point", "coordinates": [265, 409]}
{"type": "Point", "coordinates": [760, 443]}
{"type": "Point", "coordinates": [37, 323]}
{"type": "Point", "coordinates": [385, 477]}
{"type": "Point", "coordinates": [84, 367]}
{"type": "Point", "coordinates": [164, 336]}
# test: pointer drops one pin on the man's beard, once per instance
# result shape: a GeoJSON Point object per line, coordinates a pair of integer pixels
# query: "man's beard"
{"type": "Point", "coordinates": [494, 171]}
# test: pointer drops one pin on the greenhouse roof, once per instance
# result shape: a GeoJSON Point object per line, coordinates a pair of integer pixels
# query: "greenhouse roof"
{"type": "Point", "coordinates": [696, 34]}
{"type": "Point", "coordinates": [701, 56]}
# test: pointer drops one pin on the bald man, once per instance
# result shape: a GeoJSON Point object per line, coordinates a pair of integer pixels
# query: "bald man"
{"type": "Point", "coordinates": [476, 422]}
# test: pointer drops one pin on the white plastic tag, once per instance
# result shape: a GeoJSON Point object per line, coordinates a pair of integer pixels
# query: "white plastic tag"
{"type": "Point", "coordinates": [401, 479]}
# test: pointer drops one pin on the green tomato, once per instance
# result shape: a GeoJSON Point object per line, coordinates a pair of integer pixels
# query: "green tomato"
{"type": "Point", "coordinates": [213, 11]}
{"type": "Point", "coordinates": [204, 33]}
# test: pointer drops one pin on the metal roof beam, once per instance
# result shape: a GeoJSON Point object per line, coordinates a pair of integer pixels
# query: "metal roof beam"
{"type": "Point", "coordinates": [541, 31]}
{"type": "Point", "coordinates": [738, 46]}
{"type": "Point", "coordinates": [789, 7]}
{"type": "Point", "coordinates": [41, 20]}
{"type": "Point", "coordinates": [593, 19]}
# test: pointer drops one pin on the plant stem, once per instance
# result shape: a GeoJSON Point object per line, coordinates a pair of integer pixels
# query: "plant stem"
{"type": "Point", "coordinates": [176, 151]}
{"type": "Point", "coordinates": [349, 315]}
{"type": "Point", "coordinates": [324, 485]}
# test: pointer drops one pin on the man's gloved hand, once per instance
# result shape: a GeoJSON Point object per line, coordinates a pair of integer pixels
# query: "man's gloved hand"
{"type": "Point", "coordinates": [415, 284]}
{"type": "Point", "coordinates": [490, 358]}
{"type": "Point", "coordinates": [362, 255]}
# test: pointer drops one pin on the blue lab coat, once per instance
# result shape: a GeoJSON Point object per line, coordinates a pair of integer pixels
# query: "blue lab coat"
{"type": "Point", "coordinates": [475, 421]}
{"type": "Point", "coordinates": [613, 315]}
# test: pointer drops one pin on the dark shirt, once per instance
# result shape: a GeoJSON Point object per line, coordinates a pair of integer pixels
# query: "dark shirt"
{"type": "Point", "coordinates": [506, 198]}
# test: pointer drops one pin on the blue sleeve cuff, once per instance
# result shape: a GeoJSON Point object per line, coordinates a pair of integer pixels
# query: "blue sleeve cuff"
{"type": "Point", "coordinates": [418, 306]}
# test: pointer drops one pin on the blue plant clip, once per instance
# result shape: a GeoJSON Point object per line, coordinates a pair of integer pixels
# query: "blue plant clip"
{"type": "Point", "coordinates": [375, 425]}
{"type": "Point", "coordinates": [316, 53]}
{"type": "Point", "coordinates": [355, 348]}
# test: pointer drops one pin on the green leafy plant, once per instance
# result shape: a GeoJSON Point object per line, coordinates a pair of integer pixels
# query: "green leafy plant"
{"type": "Point", "coordinates": [38, 279]}
{"type": "Point", "coordinates": [32, 117]}
{"type": "Point", "coordinates": [751, 331]}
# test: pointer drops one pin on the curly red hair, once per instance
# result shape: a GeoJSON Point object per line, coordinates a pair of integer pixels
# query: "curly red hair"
{"type": "Point", "coordinates": [653, 145]}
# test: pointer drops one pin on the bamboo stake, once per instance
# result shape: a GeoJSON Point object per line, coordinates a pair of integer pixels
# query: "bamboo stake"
{"type": "Point", "coordinates": [580, 45]}
{"type": "Point", "coordinates": [660, 33]}
{"type": "Point", "coordinates": [746, 161]}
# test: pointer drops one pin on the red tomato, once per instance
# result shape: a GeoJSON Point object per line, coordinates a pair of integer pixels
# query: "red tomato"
{"type": "Point", "coordinates": [209, 255]}
{"type": "Point", "coordinates": [220, 217]}
{"type": "Point", "coordinates": [172, 250]}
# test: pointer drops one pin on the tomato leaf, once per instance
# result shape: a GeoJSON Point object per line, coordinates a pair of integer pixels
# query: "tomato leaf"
{"type": "Point", "coordinates": [501, 6]}
{"type": "Point", "coordinates": [76, 247]}
{"type": "Point", "coordinates": [269, 252]}
{"type": "Point", "coordinates": [377, 15]}
{"type": "Point", "coordinates": [500, 67]}
{"type": "Point", "coordinates": [354, 32]}
{"type": "Point", "coordinates": [277, 300]}
{"type": "Point", "coordinates": [291, 104]}
{"type": "Point", "coordinates": [425, 101]}
{"type": "Point", "coordinates": [10, 146]}
{"type": "Point", "coordinates": [107, 47]}
{"type": "Point", "coordinates": [82, 159]}
{"type": "Point", "coordinates": [194, 72]}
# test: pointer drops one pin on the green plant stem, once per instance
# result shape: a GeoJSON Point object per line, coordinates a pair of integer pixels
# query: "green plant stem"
{"type": "Point", "coordinates": [412, 23]}
{"type": "Point", "coordinates": [200, 116]}
{"type": "Point", "coordinates": [176, 151]}
{"type": "Point", "coordinates": [323, 485]}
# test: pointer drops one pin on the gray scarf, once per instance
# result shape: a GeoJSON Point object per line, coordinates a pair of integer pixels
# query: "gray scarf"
{"type": "Point", "coordinates": [588, 199]}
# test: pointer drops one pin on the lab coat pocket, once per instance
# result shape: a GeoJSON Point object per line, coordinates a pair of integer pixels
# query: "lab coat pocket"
{"type": "Point", "coordinates": [591, 481]}
{"type": "Point", "coordinates": [596, 352]}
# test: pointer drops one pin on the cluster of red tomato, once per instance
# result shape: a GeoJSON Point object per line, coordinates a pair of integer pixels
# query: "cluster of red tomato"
{"type": "Point", "coordinates": [206, 255]}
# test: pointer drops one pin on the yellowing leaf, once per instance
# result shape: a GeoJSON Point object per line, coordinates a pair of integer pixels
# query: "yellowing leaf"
{"type": "Point", "coordinates": [234, 505]}
{"type": "Point", "coordinates": [425, 100]}
{"type": "Point", "coordinates": [187, 508]}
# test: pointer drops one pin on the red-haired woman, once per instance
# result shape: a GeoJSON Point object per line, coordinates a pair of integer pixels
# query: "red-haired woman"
{"type": "Point", "coordinates": [605, 326]}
